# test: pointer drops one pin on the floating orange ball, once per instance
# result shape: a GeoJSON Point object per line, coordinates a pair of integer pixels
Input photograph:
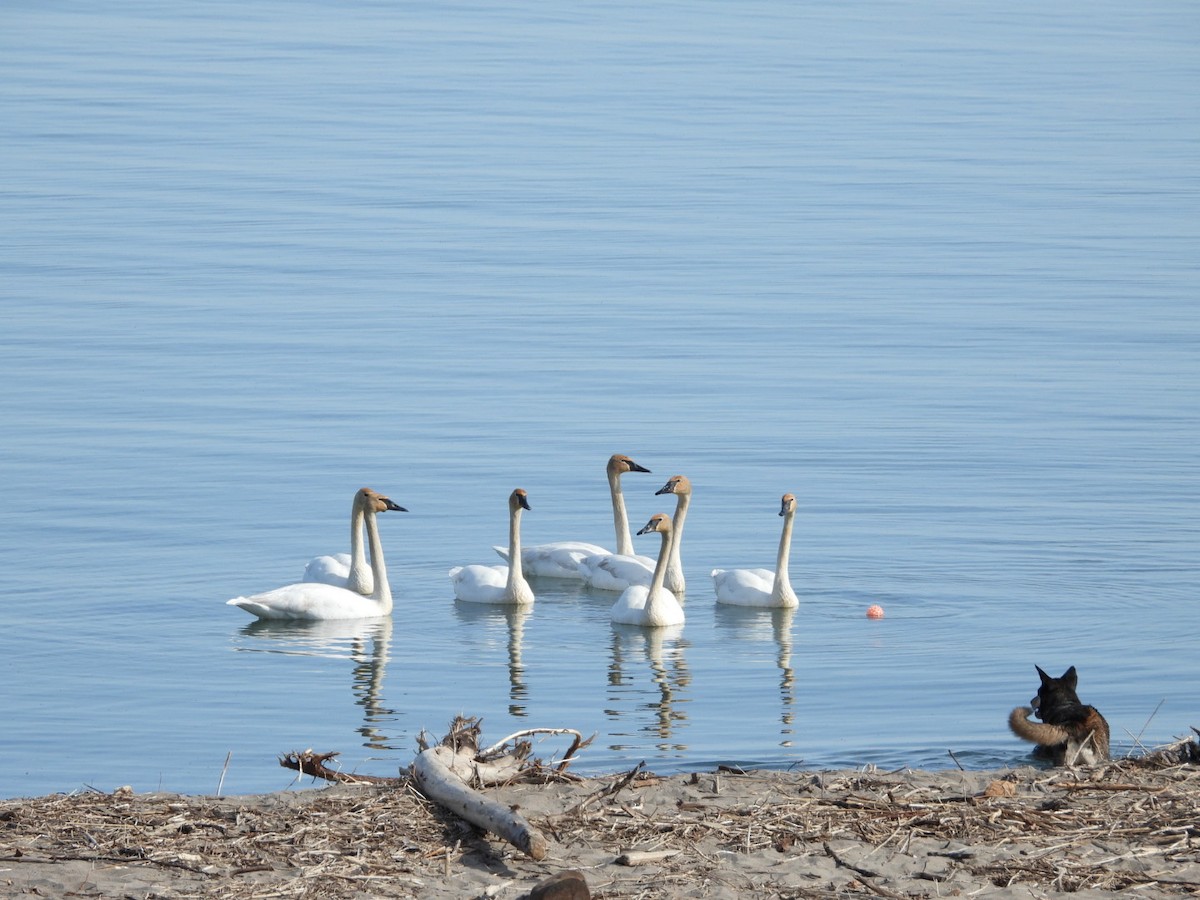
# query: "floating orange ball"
{"type": "Point", "coordinates": [874, 611]}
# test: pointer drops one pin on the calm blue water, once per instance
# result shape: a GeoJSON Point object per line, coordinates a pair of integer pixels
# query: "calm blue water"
{"type": "Point", "coordinates": [932, 267]}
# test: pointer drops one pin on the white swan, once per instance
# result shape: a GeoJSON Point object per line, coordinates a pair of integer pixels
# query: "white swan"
{"type": "Point", "coordinates": [652, 606]}
{"type": "Point", "coordinates": [681, 487]}
{"type": "Point", "coordinates": [350, 571]}
{"type": "Point", "coordinates": [498, 584]}
{"type": "Point", "coordinates": [762, 587]}
{"type": "Point", "coordinates": [312, 601]}
{"type": "Point", "coordinates": [561, 559]}
{"type": "Point", "coordinates": [616, 572]}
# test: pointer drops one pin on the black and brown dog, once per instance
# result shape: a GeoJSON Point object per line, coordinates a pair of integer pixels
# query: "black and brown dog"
{"type": "Point", "coordinates": [1070, 732]}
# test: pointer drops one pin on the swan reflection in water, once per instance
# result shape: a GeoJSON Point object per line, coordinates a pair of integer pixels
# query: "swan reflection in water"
{"type": "Point", "coordinates": [512, 618]}
{"type": "Point", "coordinates": [663, 649]}
{"type": "Point", "coordinates": [759, 625]}
{"type": "Point", "coordinates": [363, 641]}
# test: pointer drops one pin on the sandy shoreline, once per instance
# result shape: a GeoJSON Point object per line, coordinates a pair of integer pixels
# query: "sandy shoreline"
{"type": "Point", "coordinates": [1027, 832]}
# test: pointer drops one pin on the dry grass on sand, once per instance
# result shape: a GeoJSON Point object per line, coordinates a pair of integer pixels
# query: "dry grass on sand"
{"type": "Point", "coordinates": [1129, 825]}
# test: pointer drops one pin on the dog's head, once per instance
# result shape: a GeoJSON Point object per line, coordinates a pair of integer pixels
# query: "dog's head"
{"type": "Point", "coordinates": [1056, 695]}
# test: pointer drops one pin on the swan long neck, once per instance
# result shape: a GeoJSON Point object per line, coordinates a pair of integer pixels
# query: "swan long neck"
{"type": "Point", "coordinates": [620, 517]}
{"type": "Point", "coordinates": [660, 567]}
{"type": "Point", "coordinates": [682, 502]}
{"type": "Point", "coordinates": [515, 573]}
{"type": "Point", "coordinates": [359, 579]}
{"type": "Point", "coordinates": [383, 591]}
{"type": "Point", "coordinates": [783, 585]}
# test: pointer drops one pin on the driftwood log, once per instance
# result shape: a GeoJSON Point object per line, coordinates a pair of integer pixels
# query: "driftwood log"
{"type": "Point", "coordinates": [441, 774]}
{"type": "Point", "coordinates": [448, 773]}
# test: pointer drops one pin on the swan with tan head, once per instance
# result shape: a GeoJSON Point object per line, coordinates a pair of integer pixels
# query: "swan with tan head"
{"type": "Point", "coordinates": [350, 571]}
{"type": "Point", "coordinates": [315, 601]}
{"type": "Point", "coordinates": [762, 587]}
{"type": "Point", "coordinates": [561, 559]}
{"type": "Point", "coordinates": [616, 572]}
{"type": "Point", "coordinates": [498, 584]}
{"type": "Point", "coordinates": [653, 606]}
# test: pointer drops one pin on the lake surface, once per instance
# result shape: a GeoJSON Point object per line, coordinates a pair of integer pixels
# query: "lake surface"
{"type": "Point", "coordinates": [931, 267]}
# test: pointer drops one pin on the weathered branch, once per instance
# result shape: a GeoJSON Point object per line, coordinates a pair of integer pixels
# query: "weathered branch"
{"type": "Point", "coordinates": [865, 876]}
{"type": "Point", "coordinates": [609, 789]}
{"type": "Point", "coordinates": [313, 764]}
{"type": "Point", "coordinates": [442, 774]}
{"type": "Point", "coordinates": [645, 857]}
{"type": "Point", "coordinates": [522, 749]}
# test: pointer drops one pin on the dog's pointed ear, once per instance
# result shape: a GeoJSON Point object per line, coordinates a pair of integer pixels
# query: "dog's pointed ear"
{"type": "Point", "coordinates": [1046, 679]}
{"type": "Point", "coordinates": [1071, 678]}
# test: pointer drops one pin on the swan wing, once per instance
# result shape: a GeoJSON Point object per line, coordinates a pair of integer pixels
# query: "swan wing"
{"type": "Point", "coordinates": [630, 608]}
{"type": "Point", "coordinates": [614, 572]}
{"type": "Point", "coordinates": [744, 587]}
{"type": "Point", "coordinates": [558, 559]}
{"type": "Point", "coordinates": [479, 584]}
{"type": "Point", "coordinates": [333, 569]}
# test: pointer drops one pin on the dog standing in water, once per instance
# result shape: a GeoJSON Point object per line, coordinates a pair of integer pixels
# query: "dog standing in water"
{"type": "Point", "coordinates": [1070, 732]}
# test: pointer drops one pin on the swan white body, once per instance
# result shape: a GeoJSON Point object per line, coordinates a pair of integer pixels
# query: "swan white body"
{"type": "Point", "coordinates": [561, 559]}
{"type": "Point", "coordinates": [315, 601]}
{"type": "Point", "coordinates": [762, 587]}
{"type": "Point", "coordinates": [498, 584]}
{"type": "Point", "coordinates": [558, 559]}
{"type": "Point", "coordinates": [335, 569]}
{"type": "Point", "coordinates": [350, 571]}
{"type": "Point", "coordinates": [653, 606]}
{"type": "Point", "coordinates": [616, 572]}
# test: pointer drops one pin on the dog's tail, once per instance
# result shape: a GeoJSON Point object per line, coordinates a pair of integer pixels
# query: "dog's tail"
{"type": "Point", "coordinates": [1037, 732]}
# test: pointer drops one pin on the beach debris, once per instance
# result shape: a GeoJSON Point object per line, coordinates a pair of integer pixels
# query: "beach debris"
{"type": "Point", "coordinates": [645, 857]}
{"type": "Point", "coordinates": [610, 789]}
{"type": "Point", "coordinates": [448, 773]}
{"type": "Point", "coordinates": [310, 763]}
{"type": "Point", "coordinates": [1128, 827]}
{"type": "Point", "coordinates": [1184, 751]}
